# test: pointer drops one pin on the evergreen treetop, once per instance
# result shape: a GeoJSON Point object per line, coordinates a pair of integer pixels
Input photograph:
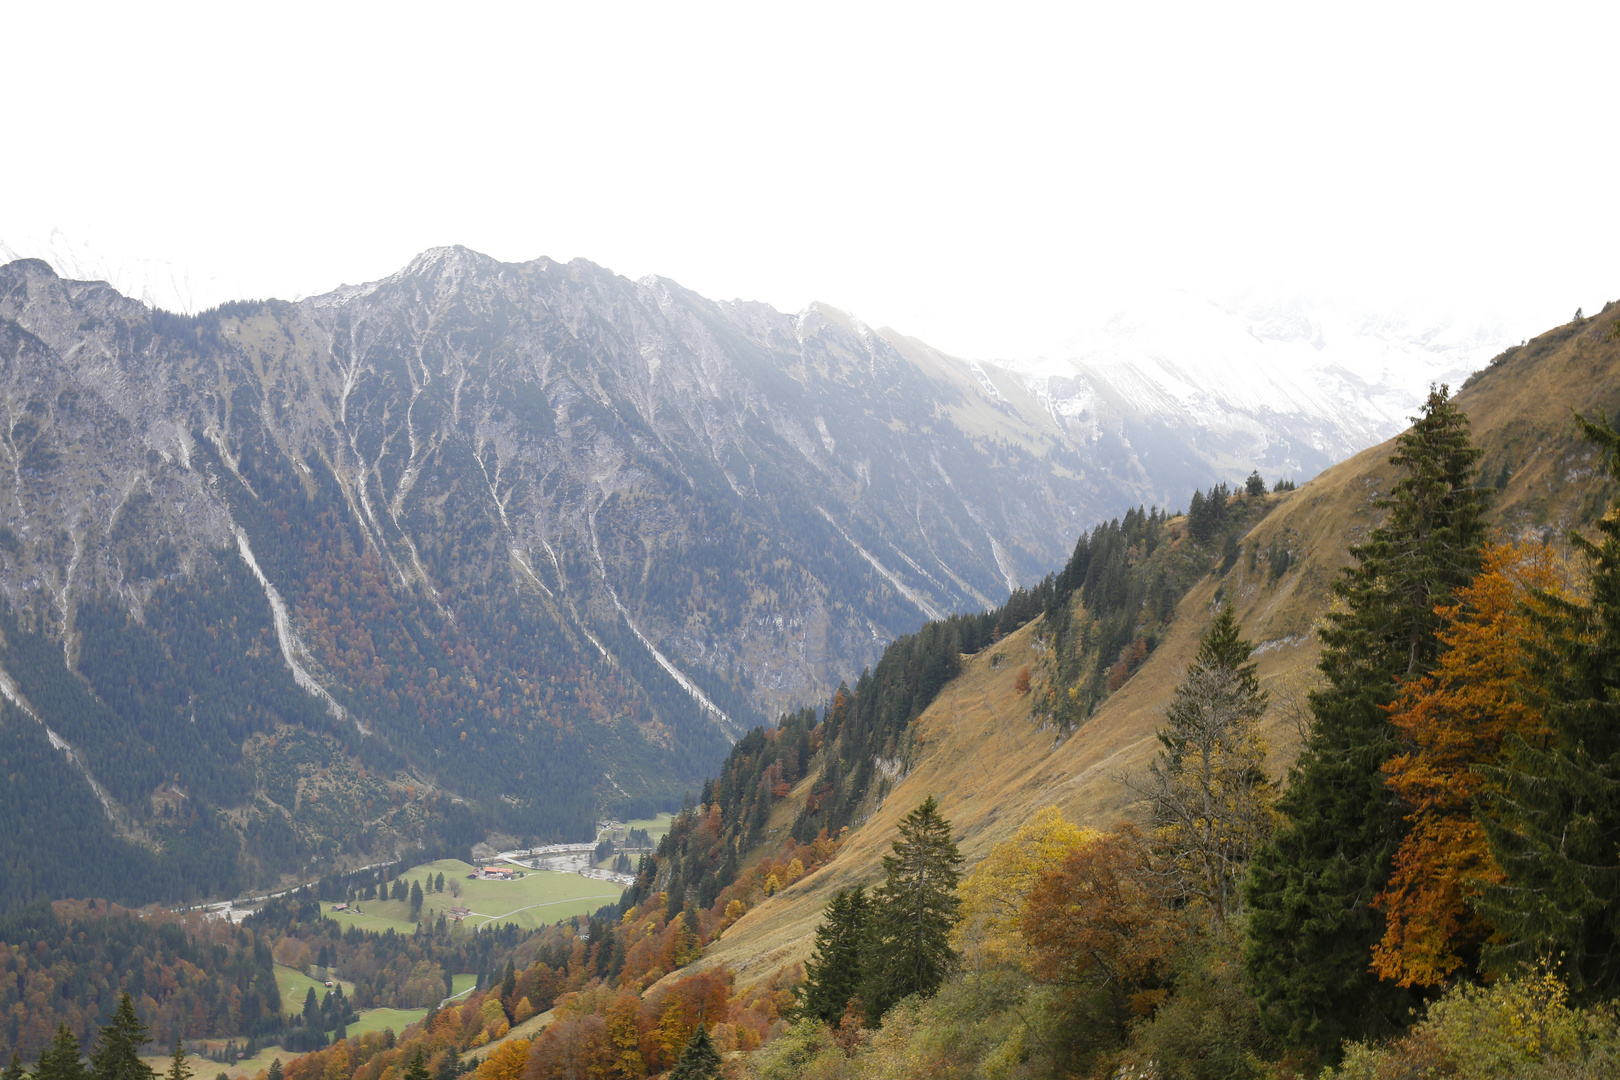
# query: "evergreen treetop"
{"type": "Point", "coordinates": [117, 1055]}
{"type": "Point", "coordinates": [417, 1069]}
{"type": "Point", "coordinates": [178, 1069]}
{"type": "Point", "coordinates": [913, 911]}
{"type": "Point", "coordinates": [833, 975]}
{"type": "Point", "coordinates": [61, 1060]}
{"type": "Point", "coordinates": [699, 1059]}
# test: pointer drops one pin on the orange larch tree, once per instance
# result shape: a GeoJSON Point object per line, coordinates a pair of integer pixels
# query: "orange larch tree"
{"type": "Point", "coordinates": [1453, 721]}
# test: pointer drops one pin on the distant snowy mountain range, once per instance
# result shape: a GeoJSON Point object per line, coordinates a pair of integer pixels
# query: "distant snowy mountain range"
{"type": "Point", "coordinates": [1287, 386]}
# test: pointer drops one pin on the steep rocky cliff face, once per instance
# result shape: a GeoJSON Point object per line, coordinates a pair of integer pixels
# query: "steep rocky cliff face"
{"type": "Point", "coordinates": [480, 546]}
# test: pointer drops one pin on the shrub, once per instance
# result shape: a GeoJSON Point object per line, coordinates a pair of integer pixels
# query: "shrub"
{"type": "Point", "coordinates": [1519, 1027]}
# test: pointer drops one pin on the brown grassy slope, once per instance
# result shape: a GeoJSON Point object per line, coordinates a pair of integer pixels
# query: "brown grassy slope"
{"type": "Point", "coordinates": [992, 767]}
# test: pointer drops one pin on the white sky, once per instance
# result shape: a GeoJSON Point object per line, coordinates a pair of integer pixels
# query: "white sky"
{"type": "Point", "coordinates": [986, 177]}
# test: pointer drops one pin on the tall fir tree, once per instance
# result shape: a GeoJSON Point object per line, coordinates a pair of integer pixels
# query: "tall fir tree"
{"type": "Point", "coordinates": [60, 1061]}
{"type": "Point", "coordinates": [699, 1059]}
{"type": "Point", "coordinates": [833, 976]}
{"type": "Point", "coordinates": [117, 1055]}
{"type": "Point", "coordinates": [913, 912]}
{"type": "Point", "coordinates": [14, 1071]}
{"type": "Point", "coordinates": [1312, 927]}
{"type": "Point", "coordinates": [1552, 813]}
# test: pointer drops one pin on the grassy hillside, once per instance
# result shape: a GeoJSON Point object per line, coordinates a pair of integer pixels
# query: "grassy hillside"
{"type": "Point", "coordinates": [992, 766]}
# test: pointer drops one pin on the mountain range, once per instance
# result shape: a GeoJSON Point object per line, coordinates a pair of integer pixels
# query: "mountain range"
{"type": "Point", "coordinates": [490, 547]}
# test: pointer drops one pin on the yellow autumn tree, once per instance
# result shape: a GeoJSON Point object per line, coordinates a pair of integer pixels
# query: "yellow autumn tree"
{"type": "Point", "coordinates": [337, 1063]}
{"type": "Point", "coordinates": [491, 1016]}
{"type": "Point", "coordinates": [505, 1062]}
{"type": "Point", "coordinates": [624, 1037]}
{"type": "Point", "coordinates": [993, 894]}
{"type": "Point", "coordinates": [735, 910]}
{"type": "Point", "coordinates": [673, 1030]}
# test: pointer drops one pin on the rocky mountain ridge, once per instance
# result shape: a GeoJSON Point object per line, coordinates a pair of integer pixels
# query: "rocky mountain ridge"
{"type": "Point", "coordinates": [522, 539]}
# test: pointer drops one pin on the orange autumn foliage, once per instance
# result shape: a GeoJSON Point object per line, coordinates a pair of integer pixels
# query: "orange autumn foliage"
{"type": "Point", "coordinates": [1454, 720]}
{"type": "Point", "coordinates": [1098, 924]}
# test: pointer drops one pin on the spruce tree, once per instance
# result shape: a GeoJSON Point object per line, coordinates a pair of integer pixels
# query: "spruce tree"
{"type": "Point", "coordinates": [1312, 926]}
{"type": "Point", "coordinates": [60, 1061]}
{"type": "Point", "coordinates": [14, 1071]}
{"type": "Point", "coordinates": [833, 976]}
{"type": "Point", "coordinates": [117, 1055]}
{"type": "Point", "coordinates": [178, 1069]}
{"type": "Point", "coordinates": [276, 1071]}
{"type": "Point", "coordinates": [417, 1070]}
{"type": "Point", "coordinates": [913, 912]}
{"type": "Point", "coordinates": [699, 1059]}
{"type": "Point", "coordinates": [1552, 815]}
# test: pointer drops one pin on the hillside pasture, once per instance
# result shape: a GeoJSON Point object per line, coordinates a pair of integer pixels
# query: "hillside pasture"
{"type": "Point", "coordinates": [656, 826]}
{"type": "Point", "coordinates": [539, 898]}
{"type": "Point", "coordinates": [294, 985]}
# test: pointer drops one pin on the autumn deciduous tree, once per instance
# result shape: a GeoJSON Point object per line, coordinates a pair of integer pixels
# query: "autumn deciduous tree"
{"type": "Point", "coordinates": [624, 1036]}
{"type": "Point", "coordinates": [1100, 930]}
{"type": "Point", "coordinates": [506, 1062]}
{"type": "Point", "coordinates": [1455, 720]}
{"type": "Point", "coordinates": [574, 1047]}
{"type": "Point", "coordinates": [992, 911]}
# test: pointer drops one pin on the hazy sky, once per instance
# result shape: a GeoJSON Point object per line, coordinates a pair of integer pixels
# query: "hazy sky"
{"type": "Point", "coordinates": [986, 177]}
